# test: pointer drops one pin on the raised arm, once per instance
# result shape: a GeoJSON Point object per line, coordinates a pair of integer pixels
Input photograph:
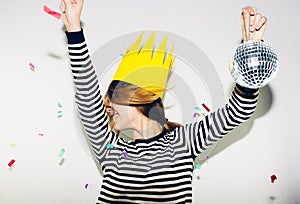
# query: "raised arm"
{"type": "Point", "coordinates": [242, 102]}
{"type": "Point", "coordinates": [88, 96]}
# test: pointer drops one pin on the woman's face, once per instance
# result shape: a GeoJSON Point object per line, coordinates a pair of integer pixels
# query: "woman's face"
{"type": "Point", "coordinates": [124, 116]}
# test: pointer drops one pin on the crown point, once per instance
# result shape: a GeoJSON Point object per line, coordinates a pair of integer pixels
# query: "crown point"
{"type": "Point", "coordinates": [149, 45]}
{"type": "Point", "coordinates": [136, 45]}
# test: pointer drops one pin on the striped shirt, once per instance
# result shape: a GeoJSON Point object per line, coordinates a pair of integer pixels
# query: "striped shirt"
{"type": "Point", "coordinates": [155, 170]}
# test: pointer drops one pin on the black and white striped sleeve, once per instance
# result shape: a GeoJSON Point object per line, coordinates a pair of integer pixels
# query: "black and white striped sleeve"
{"type": "Point", "coordinates": [88, 96]}
{"type": "Point", "coordinates": [214, 126]}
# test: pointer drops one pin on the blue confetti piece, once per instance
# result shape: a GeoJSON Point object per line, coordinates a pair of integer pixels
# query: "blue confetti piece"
{"type": "Point", "coordinates": [109, 146]}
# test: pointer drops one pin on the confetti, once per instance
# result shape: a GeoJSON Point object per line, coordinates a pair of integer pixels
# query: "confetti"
{"type": "Point", "coordinates": [109, 146]}
{"type": "Point", "coordinates": [273, 178]}
{"type": "Point", "coordinates": [11, 163]}
{"type": "Point", "coordinates": [12, 144]}
{"type": "Point", "coordinates": [198, 166]}
{"type": "Point", "coordinates": [31, 66]}
{"type": "Point", "coordinates": [196, 114]}
{"type": "Point", "coordinates": [198, 108]}
{"type": "Point", "coordinates": [53, 55]}
{"type": "Point", "coordinates": [62, 161]}
{"type": "Point", "coordinates": [86, 186]}
{"type": "Point", "coordinates": [126, 154]}
{"type": "Point", "coordinates": [60, 111]}
{"type": "Point", "coordinates": [206, 108]}
{"type": "Point", "coordinates": [51, 12]}
{"type": "Point", "coordinates": [41, 134]}
{"type": "Point", "coordinates": [61, 153]}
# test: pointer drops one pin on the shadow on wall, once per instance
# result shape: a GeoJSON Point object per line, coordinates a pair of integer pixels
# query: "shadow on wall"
{"type": "Point", "coordinates": [264, 104]}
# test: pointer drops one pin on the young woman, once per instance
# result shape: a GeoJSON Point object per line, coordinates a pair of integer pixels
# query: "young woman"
{"type": "Point", "coordinates": [156, 166]}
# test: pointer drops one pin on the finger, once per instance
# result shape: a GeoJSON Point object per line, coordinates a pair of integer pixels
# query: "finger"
{"type": "Point", "coordinates": [67, 2]}
{"type": "Point", "coordinates": [244, 33]}
{"type": "Point", "coordinates": [246, 19]}
{"type": "Point", "coordinates": [262, 22]}
{"type": "Point", "coordinates": [252, 11]}
{"type": "Point", "coordinates": [62, 6]}
{"type": "Point", "coordinates": [257, 19]}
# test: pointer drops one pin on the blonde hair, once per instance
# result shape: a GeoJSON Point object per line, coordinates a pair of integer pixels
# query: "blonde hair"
{"type": "Point", "coordinates": [146, 102]}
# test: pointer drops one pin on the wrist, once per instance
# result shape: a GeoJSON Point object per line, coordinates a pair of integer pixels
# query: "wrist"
{"type": "Point", "coordinates": [73, 28]}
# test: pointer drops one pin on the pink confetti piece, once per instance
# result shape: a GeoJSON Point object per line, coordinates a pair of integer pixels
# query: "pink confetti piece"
{"type": "Point", "coordinates": [273, 178]}
{"type": "Point", "coordinates": [195, 114]}
{"type": "Point", "coordinates": [52, 12]}
{"type": "Point", "coordinates": [11, 163]}
{"type": "Point", "coordinates": [206, 157]}
{"type": "Point", "coordinates": [206, 108]}
{"type": "Point", "coordinates": [31, 65]}
{"type": "Point", "coordinates": [40, 134]}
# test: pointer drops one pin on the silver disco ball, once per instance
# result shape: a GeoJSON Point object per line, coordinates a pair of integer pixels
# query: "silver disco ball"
{"type": "Point", "coordinates": [254, 64]}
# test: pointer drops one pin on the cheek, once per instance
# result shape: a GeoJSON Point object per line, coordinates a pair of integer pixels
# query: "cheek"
{"type": "Point", "coordinates": [127, 118]}
{"type": "Point", "coordinates": [122, 119]}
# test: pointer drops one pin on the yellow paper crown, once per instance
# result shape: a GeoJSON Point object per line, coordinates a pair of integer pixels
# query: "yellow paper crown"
{"type": "Point", "coordinates": [145, 67]}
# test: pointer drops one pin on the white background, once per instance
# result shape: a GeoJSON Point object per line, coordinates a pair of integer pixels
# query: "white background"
{"type": "Point", "coordinates": [237, 172]}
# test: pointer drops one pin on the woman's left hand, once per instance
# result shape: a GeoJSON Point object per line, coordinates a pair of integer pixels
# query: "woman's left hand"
{"type": "Point", "coordinates": [253, 24]}
{"type": "Point", "coordinates": [71, 12]}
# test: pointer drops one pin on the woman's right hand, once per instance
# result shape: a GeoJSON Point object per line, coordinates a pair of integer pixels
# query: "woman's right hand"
{"type": "Point", "coordinates": [71, 11]}
{"type": "Point", "coordinates": [253, 24]}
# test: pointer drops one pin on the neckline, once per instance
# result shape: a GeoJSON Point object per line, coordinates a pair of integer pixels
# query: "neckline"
{"type": "Point", "coordinates": [157, 137]}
